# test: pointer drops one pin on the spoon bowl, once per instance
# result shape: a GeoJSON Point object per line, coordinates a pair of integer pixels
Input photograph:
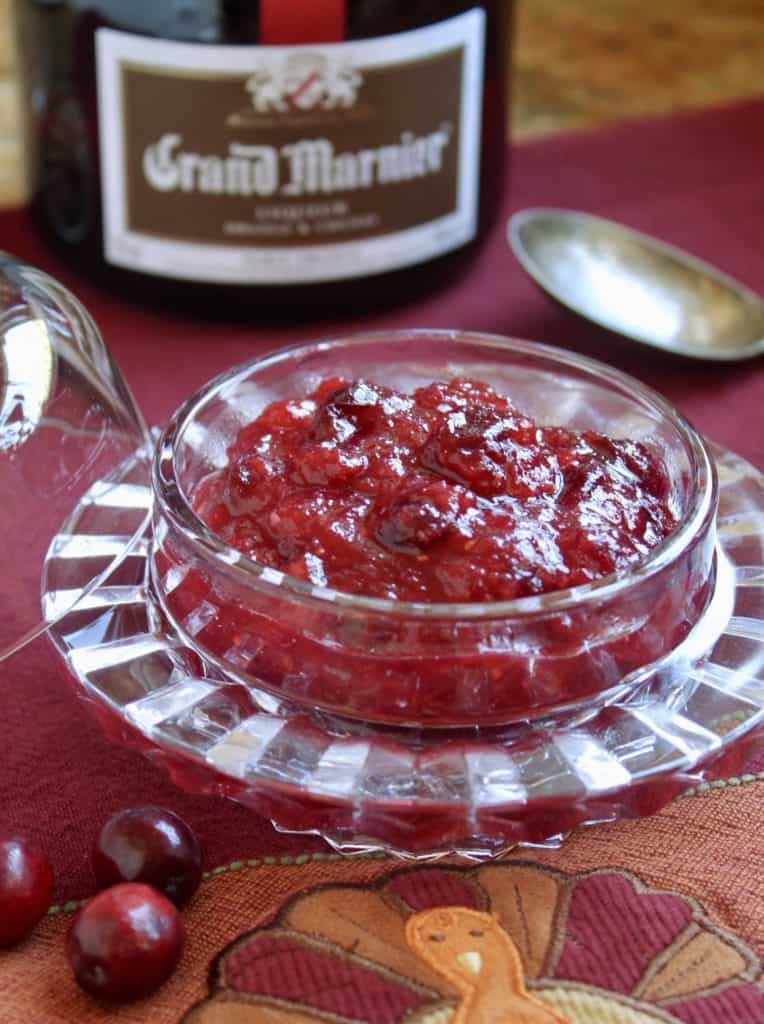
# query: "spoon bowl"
{"type": "Point", "coordinates": [637, 286]}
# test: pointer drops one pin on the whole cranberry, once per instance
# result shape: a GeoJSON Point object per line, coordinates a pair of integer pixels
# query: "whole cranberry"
{"type": "Point", "coordinates": [26, 886]}
{"type": "Point", "coordinates": [125, 942]}
{"type": "Point", "coordinates": [151, 845]}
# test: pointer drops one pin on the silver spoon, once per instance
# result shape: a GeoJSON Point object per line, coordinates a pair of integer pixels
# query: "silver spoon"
{"type": "Point", "coordinates": [638, 286]}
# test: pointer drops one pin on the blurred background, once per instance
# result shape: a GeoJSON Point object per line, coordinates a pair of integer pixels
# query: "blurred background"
{"type": "Point", "coordinates": [578, 64]}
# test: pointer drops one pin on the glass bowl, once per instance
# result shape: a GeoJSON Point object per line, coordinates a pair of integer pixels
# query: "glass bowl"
{"type": "Point", "coordinates": [432, 665]}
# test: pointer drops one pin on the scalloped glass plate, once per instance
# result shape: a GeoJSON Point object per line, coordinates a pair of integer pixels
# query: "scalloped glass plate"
{"type": "Point", "coordinates": [417, 793]}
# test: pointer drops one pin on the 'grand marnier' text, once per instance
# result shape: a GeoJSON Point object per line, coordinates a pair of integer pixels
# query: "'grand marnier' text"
{"type": "Point", "coordinates": [307, 167]}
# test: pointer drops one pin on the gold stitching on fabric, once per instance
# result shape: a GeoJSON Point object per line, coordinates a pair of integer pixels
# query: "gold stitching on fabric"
{"type": "Point", "coordinates": [72, 906]}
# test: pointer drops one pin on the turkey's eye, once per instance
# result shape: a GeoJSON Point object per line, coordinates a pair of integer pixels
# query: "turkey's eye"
{"type": "Point", "coordinates": [437, 938]}
{"type": "Point", "coordinates": [476, 933]}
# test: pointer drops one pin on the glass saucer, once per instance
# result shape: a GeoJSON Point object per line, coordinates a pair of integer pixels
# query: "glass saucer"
{"type": "Point", "coordinates": [416, 793]}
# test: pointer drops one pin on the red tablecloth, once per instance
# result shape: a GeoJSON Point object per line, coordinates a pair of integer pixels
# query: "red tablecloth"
{"type": "Point", "coordinates": [695, 181]}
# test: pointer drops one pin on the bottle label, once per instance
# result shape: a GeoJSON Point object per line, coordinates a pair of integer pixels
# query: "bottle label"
{"type": "Point", "coordinates": [289, 164]}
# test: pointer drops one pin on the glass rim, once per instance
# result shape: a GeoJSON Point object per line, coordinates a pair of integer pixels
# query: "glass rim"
{"type": "Point", "coordinates": [172, 502]}
{"type": "Point", "coordinates": [51, 347]}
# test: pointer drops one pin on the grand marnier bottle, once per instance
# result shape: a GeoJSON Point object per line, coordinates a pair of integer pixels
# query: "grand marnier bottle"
{"type": "Point", "coordinates": [281, 155]}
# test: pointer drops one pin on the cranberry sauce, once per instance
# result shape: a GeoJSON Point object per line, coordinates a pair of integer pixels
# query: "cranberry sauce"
{"type": "Point", "coordinates": [450, 494]}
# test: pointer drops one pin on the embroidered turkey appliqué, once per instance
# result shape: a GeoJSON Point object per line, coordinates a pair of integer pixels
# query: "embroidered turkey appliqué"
{"type": "Point", "coordinates": [477, 957]}
{"type": "Point", "coordinates": [511, 943]}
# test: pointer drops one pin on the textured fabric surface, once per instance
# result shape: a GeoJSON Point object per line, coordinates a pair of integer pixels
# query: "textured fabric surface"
{"type": "Point", "coordinates": [695, 181]}
{"type": "Point", "coordinates": [613, 902]}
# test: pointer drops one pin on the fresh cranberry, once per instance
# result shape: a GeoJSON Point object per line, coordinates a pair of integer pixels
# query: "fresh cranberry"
{"type": "Point", "coordinates": [125, 942]}
{"type": "Point", "coordinates": [26, 886]}
{"type": "Point", "coordinates": [151, 845]}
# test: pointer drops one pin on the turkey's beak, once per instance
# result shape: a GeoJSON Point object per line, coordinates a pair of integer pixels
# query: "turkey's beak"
{"type": "Point", "coordinates": [472, 962]}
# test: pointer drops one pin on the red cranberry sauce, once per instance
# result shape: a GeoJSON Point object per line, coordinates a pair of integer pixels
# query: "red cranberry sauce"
{"type": "Point", "coordinates": [449, 494]}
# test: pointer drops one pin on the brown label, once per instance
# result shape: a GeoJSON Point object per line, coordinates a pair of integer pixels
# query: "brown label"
{"type": "Point", "coordinates": [276, 164]}
{"type": "Point", "coordinates": [302, 153]}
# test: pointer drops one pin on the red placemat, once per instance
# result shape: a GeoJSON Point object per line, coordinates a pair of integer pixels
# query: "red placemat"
{"type": "Point", "coordinates": [694, 180]}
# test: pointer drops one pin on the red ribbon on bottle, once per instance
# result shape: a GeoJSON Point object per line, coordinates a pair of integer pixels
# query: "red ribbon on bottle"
{"type": "Point", "coordinates": [288, 22]}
